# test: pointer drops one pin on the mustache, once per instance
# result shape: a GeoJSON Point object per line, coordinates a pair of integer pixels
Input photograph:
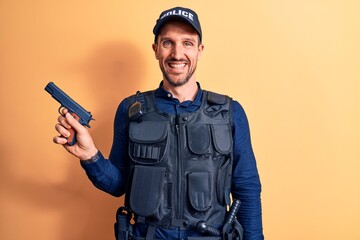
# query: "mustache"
{"type": "Point", "coordinates": [172, 59]}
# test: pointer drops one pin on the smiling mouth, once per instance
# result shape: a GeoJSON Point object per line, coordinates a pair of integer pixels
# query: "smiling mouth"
{"type": "Point", "coordinates": [176, 65]}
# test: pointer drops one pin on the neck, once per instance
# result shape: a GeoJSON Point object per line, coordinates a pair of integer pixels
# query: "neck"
{"type": "Point", "coordinates": [183, 93]}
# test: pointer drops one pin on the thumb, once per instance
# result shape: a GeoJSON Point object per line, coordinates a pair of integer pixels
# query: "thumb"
{"type": "Point", "coordinates": [73, 121]}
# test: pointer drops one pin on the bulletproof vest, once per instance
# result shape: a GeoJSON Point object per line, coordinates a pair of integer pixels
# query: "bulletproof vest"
{"type": "Point", "coordinates": [180, 166]}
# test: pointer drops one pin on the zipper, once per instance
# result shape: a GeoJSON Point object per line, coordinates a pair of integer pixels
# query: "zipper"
{"type": "Point", "coordinates": [179, 209]}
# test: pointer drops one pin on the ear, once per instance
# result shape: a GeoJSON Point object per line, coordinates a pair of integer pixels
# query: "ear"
{"type": "Point", "coordinates": [201, 49]}
{"type": "Point", "coordinates": [155, 47]}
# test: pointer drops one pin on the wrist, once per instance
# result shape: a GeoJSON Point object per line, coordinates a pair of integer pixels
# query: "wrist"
{"type": "Point", "coordinates": [91, 156]}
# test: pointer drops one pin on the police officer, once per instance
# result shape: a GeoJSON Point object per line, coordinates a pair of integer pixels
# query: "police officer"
{"type": "Point", "coordinates": [179, 151]}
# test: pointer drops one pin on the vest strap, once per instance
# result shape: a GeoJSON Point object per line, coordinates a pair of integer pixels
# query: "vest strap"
{"type": "Point", "coordinates": [150, 232]}
{"type": "Point", "coordinates": [165, 222]}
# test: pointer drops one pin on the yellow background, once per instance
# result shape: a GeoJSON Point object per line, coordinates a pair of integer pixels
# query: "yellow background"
{"type": "Point", "coordinates": [294, 66]}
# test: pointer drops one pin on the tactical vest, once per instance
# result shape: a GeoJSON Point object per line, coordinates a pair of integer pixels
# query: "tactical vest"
{"type": "Point", "coordinates": [181, 165]}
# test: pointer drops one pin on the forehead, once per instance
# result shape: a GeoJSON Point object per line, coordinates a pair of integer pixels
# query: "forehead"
{"type": "Point", "coordinates": [179, 28]}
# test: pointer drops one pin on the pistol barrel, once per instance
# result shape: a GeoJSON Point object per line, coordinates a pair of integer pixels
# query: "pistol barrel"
{"type": "Point", "coordinates": [67, 102]}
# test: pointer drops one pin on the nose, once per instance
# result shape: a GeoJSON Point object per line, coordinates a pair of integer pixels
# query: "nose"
{"type": "Point", "coordinates": [177, 51]}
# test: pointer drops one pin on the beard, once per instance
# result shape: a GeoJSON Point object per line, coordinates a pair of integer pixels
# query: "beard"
{"type": "Point", "coordinates": [179, 81]}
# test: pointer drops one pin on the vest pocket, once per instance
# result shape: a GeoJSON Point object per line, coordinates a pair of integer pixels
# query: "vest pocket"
{"type": "Point", "coordinates": [148, 141]}
{"type": "Point", "coordinates": [198, 138]}
{"type": "Point", "coordinates": [146, 194]}
{"type": "Point", "coordinates": [222, 138]}
{"type": "Point", "coordinates": [199, 184]}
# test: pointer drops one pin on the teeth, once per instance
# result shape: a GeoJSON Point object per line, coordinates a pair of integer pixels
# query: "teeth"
{"type": "Point", "coordinates": [177, 65]}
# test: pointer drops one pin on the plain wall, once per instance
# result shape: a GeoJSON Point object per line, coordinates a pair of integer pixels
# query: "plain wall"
{"type": "Point", "coordinates": [293, 65]}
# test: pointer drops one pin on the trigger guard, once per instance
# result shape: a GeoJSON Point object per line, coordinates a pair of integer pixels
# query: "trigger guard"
{"type": "Point", "coordinates": [59, 110]}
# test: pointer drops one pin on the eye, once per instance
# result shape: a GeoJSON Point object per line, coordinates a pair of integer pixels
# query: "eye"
{"type": "Point", "coordinates": [167, 43]}
{"type": "Point", "coordinates": [188, 44]}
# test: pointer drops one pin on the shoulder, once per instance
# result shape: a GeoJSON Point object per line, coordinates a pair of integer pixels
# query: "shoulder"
{"type": "Point", "coordinates": [220, 98]}
{"type": "Point", "coordinates": [125, 104]}
{"type": "Point", "coordinates": [137, 96]}
{"type": "Point", "coordinates": [238, 113]}
{"type": "Point", "coordinates": [217, 98]}
{"type": "Point", "coordinates": [236, 106]}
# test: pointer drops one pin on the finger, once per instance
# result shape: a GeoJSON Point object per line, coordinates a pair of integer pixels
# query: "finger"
{"type": "Point", "coordinates": [74, 123]}
{"type": "Point", "coordinates": [64, 111]}
{"type": "Point", "coordinates": [60, 140]}
{"type": "Point", "coordinates": [62, 130]}
{"type": "Point", "coordinates": [62, 120]}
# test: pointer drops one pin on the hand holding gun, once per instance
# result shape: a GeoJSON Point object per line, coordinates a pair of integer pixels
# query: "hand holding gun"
{"type": "Point", "coordinates": [71, 124]}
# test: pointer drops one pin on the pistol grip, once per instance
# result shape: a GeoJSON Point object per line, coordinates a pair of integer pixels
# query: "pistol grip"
{"type": "Point", "coordinates": [72, 138]}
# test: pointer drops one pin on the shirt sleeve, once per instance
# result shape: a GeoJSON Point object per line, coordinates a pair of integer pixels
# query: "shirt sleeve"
{"type": "Point", "coordinates": [246, 184]}
{"type": "Point", "coordinates": [110, 175]}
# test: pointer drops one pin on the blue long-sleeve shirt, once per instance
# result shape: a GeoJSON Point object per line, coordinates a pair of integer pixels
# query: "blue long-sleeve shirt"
{"type": "Point", "coordinates": [111, 176]}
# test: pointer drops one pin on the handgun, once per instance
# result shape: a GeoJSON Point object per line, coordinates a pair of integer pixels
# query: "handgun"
{"type": "Point", "coordinates": [77, 111]}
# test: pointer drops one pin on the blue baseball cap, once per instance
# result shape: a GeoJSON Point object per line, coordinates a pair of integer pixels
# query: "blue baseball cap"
{"type": "Point", "coordinates": [180, 13]}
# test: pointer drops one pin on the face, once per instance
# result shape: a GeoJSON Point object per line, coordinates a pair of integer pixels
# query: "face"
{"type": "Point", "coordinates": [178, 49]}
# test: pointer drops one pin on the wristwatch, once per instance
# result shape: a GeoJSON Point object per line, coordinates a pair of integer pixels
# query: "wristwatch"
{"type": "Point", "coordinates": [92, 159]}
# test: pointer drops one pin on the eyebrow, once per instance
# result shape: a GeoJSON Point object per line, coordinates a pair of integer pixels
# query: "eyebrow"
{"type": "Point", "coordinates": [189, 39]}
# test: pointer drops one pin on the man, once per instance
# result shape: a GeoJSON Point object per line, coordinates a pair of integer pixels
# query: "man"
{"type": "Point", "coordinates": [178, 151]}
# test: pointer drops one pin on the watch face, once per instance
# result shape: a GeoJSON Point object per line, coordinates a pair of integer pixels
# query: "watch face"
{"type": "Point", "coordinates": [95, 158]}
{"type": "Point", "coordinates": [92, 159]}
